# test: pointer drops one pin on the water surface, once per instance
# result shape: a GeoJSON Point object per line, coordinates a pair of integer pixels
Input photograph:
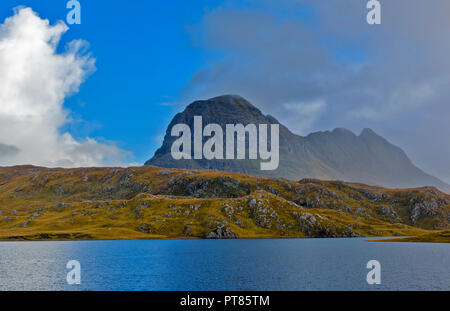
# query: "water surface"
{"type": "Point", "coordinates": [266, 264]}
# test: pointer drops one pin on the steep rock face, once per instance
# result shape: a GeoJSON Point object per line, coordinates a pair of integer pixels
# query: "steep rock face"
{"type": "Point", "coordinates": [338, 154]}
{"type": "Point", "coordinates": [369, 158]}
{"type": "Point", "coordinates": [222, 233]}
{"type": "Point", "coordinates": [224, 110]}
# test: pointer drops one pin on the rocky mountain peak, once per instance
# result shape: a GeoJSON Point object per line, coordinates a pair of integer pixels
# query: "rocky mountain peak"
{"type": "Point", "coordinates": [343, 132]}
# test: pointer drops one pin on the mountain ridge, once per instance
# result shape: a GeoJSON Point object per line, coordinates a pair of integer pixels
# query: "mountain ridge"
{"type": "Point", "coordinates": [339, 154]}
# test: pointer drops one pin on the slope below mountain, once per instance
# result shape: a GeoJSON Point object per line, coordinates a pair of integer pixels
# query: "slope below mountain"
{"type": "Point", "coordinates": [151, 202]}
{"type": "Point", "coordinates": [336, 155]}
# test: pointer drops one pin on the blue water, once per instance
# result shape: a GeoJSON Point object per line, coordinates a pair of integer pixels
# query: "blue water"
{"type": "Point", "coordinates": [281, 264]}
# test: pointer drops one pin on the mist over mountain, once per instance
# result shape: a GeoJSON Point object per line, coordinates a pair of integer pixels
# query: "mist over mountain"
{"type": "Point", "coordinates": [331, 155]}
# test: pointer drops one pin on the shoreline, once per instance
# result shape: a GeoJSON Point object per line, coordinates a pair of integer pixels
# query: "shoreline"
{"type": "Point", "coordinates": [434, 237]}
{"type": "Point", "coordinates": [407, 239]}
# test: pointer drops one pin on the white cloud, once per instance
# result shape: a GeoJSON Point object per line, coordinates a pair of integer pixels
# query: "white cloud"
{"type": "Point", "coordinates": [34, 81]}
{"type": "Point", "coordinates": [402, 98]}
{"type": "Point", "coordinates": [304, 114]}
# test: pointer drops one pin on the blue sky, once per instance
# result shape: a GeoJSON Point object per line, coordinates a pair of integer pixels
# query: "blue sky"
{"type": "Point", "coordinates": [146, 53]}
{"type": "Point", "coordinates": [144, 56]}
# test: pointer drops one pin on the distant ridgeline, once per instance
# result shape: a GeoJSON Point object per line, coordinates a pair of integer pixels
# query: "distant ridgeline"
{"type": "Point", "coordinates": [336, 155]}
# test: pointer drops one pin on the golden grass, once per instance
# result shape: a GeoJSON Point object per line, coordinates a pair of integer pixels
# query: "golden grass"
{"type": "Point", "coordinates": [157, 203]}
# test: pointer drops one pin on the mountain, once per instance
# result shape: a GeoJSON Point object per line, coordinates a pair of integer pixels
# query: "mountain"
{"type": "Point", "coordinates": [336, 155]}
{"type": "Point", "coordinates": [39, 203]}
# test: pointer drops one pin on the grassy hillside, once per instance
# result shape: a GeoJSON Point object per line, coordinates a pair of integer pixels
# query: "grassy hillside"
{"type": "Point", "coordinates": [150, 202]}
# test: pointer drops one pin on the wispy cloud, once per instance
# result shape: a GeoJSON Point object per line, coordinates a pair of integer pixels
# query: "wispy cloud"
{"type": "Point", "coordinates": [304, 114]}
{"type": "Point", "coordinates": [391, 77]}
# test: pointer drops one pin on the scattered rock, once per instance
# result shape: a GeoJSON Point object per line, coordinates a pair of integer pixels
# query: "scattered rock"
{"type": "Point", "coordinates": [145, 228]}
